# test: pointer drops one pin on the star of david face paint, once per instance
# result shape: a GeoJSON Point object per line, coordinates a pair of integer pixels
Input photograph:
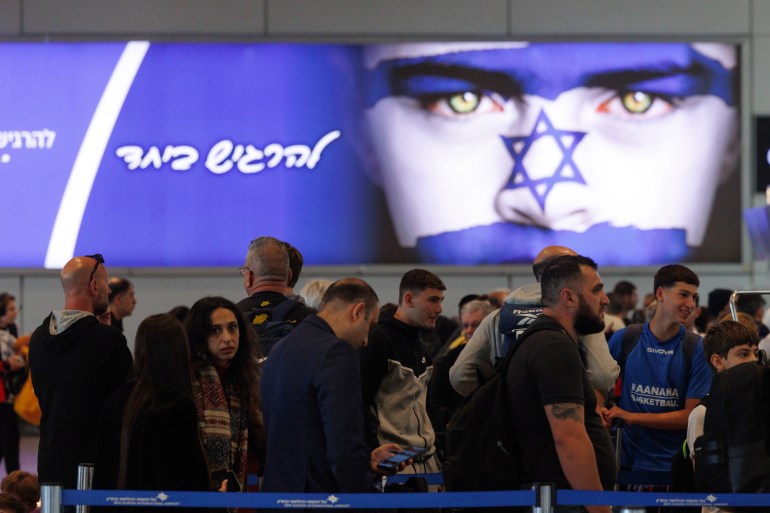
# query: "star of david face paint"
{"type": "Point", "coordinates": [489, 152]}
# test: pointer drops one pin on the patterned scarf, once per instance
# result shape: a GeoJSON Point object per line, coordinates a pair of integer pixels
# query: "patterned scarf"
{"type": "Point", "coordinates": [222, 422]}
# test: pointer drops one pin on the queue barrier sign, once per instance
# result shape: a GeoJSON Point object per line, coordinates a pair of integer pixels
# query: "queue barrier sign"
{"type": "Point", "coordinates": [526, 498]}
{"type": "Point", "coordinates": [291, 501]}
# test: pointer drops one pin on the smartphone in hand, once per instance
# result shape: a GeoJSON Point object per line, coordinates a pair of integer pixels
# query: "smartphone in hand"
{"type": "Point", "coordinates": [407, 453]}
{"type": "Point", "coordinates": [233, 484]}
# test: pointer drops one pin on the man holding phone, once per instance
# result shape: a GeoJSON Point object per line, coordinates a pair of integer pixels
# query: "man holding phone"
{"type": "Point", "coordinates": [311, 400]}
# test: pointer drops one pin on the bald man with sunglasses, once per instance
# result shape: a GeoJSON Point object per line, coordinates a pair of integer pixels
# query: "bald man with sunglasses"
{"type": "Point", "coordinates": [77, 361]}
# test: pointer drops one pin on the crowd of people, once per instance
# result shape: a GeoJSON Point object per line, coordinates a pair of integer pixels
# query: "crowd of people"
{"type": "Point", "coordinates": [315, 396]}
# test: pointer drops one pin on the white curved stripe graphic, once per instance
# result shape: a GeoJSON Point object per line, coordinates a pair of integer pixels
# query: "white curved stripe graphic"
{"type": "Point", "coordinates": [64, 236]}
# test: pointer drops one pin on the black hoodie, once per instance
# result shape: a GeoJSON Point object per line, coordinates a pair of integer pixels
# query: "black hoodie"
{"type": "Point", "coordinates": [73, 373]}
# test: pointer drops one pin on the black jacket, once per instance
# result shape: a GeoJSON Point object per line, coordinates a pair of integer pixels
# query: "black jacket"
{"type": "Point", "coordinates": [73, 373]}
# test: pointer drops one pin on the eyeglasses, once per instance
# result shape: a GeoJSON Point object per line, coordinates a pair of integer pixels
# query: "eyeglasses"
{"type": "Point", "coordinates": [99, 260]}
{"type": "Point", "coordinates": [244, 270]}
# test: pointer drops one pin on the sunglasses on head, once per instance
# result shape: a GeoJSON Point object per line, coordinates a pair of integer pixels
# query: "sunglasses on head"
{"type": "Point", "coordinates": [99, 260]}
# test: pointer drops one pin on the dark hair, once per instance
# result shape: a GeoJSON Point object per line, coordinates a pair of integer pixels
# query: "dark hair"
{"type": "Point", "coordinates": [180, 312]}
{"type": "Point", "coordinates": [562, 272]}
{"type": "Point", "coordinates": [24, 486]}
{"type": "Point", "coordinates": [717, 300]}
{"type": "Point", "coordinates": [5, 298]}
{"type": "Point", "coordinates": [162, 353]}
{"type": "Point", "coordinates": [724, 336]}
{"type": "Point", "coordinates": [388, 309]}
{"type": "Point", "coordinates": [668, 275]}
{"type": "Point", "coordinates": [295, 263]}
{"type": "Point", "coordinates": [348, 291]}
{"type": "Point", "coordinates": [703, 320]}
{"type": "Point", "coordinates": [468, 298]}
{"type": "Point", "coordinates": [615, 306]}
{"type": "Point", "coordinates": [161, 359]}
{"type": "Point", "coordinates": [624, 288]}
{"type": "Point", "coordinates": [118, 286]}
{"type": "Point", "coordinates": [243, 373]}
{"type": "Point", "coordinates": [749, 303]}
{"type": "Point", "coordinates": [418, 280]}
{"type": "Point", "coordinates": [538, 268]}
{"type": "Point", "coordinates": [11, 504]}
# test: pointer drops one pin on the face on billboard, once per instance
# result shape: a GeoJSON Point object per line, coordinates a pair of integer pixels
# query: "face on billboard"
{"type": "Point", "coordinates": [489, 152]}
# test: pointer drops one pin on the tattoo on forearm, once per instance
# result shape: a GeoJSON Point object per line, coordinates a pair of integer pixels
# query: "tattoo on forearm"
{"type": "Point", "coordinates": [567, 412]}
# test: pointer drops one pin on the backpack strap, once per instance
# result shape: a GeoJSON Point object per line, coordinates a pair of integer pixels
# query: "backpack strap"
{"type": "Point", "coordinates": [631, 336]}
{"type": "Point", "coordinates": [502, 365]}
{"type": "Point", "coordinates": [689, 344]}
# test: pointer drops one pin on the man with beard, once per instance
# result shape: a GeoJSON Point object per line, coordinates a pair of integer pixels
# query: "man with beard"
{"type": "Point", "coordinates": [487, 346]}
{"type": "Point", "coordinates": [552, 403]}
{"type": "Point", "coordinates": [76, 363]}
{"type": "Point", "coordinates": [663, 380]}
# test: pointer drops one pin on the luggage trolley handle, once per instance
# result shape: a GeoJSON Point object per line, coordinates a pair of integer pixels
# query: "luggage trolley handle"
{"type": "Point", "coordinates": [734, 297]}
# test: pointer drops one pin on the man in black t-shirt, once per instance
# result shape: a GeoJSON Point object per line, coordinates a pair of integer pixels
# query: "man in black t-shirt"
{"type": "Point", "coordinates": [552, 403]}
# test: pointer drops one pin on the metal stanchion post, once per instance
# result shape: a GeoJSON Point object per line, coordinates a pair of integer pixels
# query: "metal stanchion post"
{"type": "Point", "coordinates": [85, 482]}
{"type": "Point", "coordinates": [50, 498]}
{"type": "Point", "coordinates": [545, 497]}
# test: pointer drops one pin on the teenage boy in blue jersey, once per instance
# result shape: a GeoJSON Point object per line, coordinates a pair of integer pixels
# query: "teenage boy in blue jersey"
{"type": "Point", "coordinates": [659, 388]}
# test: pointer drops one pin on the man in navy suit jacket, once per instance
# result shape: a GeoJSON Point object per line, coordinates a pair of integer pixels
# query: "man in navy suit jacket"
{"type": "Point", "coordinates": [311, 399]}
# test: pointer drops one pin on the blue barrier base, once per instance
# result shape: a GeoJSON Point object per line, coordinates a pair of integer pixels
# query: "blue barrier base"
{"type": "Point", "coordinates": [403, 500]}
{"type": "Point", "coordinates": [306, 500]}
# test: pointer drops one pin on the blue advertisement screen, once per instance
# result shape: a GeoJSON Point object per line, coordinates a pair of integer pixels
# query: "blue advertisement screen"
{"type": "Point", "coordinates": [178, 154]}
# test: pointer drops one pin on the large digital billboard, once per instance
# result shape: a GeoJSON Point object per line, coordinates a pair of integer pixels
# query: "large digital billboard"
{"type": "Point", "coordinates": [178, 154]}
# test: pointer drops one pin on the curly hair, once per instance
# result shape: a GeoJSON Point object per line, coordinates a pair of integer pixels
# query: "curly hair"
{"type": "Point", "coordinates": [243, 372]}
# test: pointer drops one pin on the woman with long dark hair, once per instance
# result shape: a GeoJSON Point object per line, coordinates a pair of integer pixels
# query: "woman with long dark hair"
{"type": "Point", "coordinates": [148, 435]}
{"type": "Point", "coordinates": [225, 386]}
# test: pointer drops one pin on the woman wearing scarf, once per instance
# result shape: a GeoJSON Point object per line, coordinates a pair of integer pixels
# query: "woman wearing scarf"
{"type": "Point", "coordinates": [225, 387]}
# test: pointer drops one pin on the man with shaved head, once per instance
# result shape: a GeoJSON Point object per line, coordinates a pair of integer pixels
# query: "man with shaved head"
{"type": "Point", "coordinates": [76, 363]}
{"type": "Point", "coordinates": [487, 345]}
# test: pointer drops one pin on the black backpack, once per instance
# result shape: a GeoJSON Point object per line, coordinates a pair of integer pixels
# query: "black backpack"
{"type": "Point", "coordinates": [271, 323]}
{"type": "Point", "coordinates": [682, 473]}
{"type": "Point", "coordinates": [732, 455]}
{"type": "Point", "coordinates": [482, 453]}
